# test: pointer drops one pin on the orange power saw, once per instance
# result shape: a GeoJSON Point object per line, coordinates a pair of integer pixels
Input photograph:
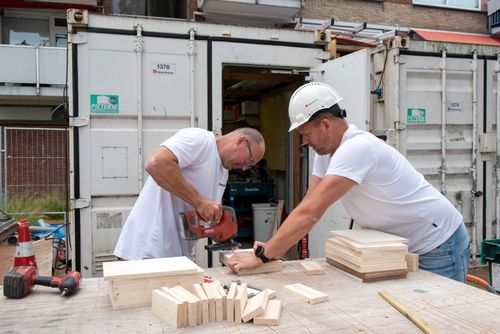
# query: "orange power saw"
{"type": "Point", "coordinates": [194, 227]}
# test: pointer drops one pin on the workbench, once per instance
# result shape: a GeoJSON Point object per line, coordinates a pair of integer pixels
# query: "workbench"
{"type": "Point", "coordinates": [353, 307]}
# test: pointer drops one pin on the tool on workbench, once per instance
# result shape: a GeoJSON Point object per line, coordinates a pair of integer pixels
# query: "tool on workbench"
{"type": "Point", "coordinates": [19, 281]}
{"type": "Point", "coordinates": [222, 233]}
{"type": "Point", "coordinates": [24, 249]}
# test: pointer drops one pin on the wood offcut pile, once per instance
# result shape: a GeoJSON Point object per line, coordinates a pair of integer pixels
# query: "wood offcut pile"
{"type": "Point", "coordinates": [209, 302]}
{"type": "Point", "coordinates": [368, 254]}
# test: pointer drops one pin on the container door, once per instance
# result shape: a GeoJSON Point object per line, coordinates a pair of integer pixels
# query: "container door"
{"type": "Point", "coordinates": [490, 150]}
{"type": "Point", "coordinates": [252, 55]}
{"type": "Point", "coordinates": [350, 76]}
{"type": "Point", "coordinates": [129, 101]}
{"type": "Point", "coordinates": [447, 153]}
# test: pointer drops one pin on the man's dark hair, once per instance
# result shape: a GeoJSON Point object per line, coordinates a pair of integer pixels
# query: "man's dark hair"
{"type": "Point", "coordinates": [334, 111]}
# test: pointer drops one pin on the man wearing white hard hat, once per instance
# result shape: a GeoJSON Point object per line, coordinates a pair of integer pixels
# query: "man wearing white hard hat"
{"type": "Point", "coordinates": [377, 186]}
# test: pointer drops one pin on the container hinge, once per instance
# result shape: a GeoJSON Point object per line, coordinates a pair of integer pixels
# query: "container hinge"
{"type": "Point", "coordinates": [79, 203]}
{"type": "Point", "coordinates": [78, 122]}
{"type": "Point", "coordinates": [77, 39]}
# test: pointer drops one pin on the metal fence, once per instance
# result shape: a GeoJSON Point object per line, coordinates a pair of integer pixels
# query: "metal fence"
{"type": "Point", "coordinates": [34, 169]}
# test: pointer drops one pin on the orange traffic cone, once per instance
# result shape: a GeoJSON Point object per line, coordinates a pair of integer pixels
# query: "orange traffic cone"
{"type": "Point", "coordinates": [24, 250]}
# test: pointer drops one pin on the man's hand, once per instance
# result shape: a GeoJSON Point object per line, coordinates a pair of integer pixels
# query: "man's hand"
{"type": "Point", "coordinates": [209, 210]}
{"type": "Point", "coordinates": [243, 260]}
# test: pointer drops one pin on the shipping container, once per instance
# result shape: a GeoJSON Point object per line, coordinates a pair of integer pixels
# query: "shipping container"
{"type": "Point", "coordinates": [135, 81]}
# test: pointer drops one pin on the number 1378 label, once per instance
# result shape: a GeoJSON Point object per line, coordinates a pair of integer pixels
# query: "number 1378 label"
{"type": "Point", "coordinates": [163, 68]}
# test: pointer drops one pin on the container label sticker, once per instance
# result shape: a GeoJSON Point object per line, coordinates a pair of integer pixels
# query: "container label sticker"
{"type": "Point", "coordinates": [416, 115]}
{"type": "Point", "coordinates": [163, 68]}
{"type": "Point", "coordinates": [455, 106]}
{"type": "Point", "coordinates": [104, 104]}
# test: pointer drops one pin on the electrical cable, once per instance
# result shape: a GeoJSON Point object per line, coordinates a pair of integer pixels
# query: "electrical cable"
{"type": "Point", "coordinates": [377, 90]}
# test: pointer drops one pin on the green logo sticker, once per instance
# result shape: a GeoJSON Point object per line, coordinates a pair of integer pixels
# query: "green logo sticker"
{"type": "Point", "coordinates": [104, 104]}
{"type": "Point", "coordinates": [416, 115]}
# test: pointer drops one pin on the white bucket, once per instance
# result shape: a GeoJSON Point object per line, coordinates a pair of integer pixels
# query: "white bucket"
{"type": "Point", "coordinates": [263, 221]}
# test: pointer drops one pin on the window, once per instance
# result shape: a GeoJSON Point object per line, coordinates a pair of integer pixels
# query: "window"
{"type": "Point", "coordinates": [21, 31]}
{"type": "Point", "coordinates": [494, 19]}
{"type": "Point", "coordinates": [458, 4]}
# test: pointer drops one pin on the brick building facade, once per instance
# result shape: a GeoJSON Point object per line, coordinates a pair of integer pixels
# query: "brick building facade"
{"type": "Point", "coordinates": [398, 12]}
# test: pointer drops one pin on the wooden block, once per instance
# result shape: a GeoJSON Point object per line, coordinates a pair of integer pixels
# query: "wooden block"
{"type": "Point", "coordinates": [231, 295]}
{"type": "Point", "coordinates": [211, 301]}
{"type": "Point", "coordinates": [271, 266]}
{"type": "Point", "coordinates": [412, 262]}
{"type": "Point", "coordinates": [203, 301]}
{"type": "Point", "coordinates": [176, 296]}
{"type": "Point", "coordinates": [219, 308]}
{"type": "Point", "coordinates": [271, 316]}
{"type": "Point", "coordinates": [312, 267]}
{"type": "Point", "coordinates": [223, 294]}
{"type": "Point", "coordinates": [168, 308]}
{"type": "Point", "coordinates": [134, 292]}
{"type": "Point", "coordinates": [240, 301]}
{"type": "Point", "coordinates": [194, 305]}
{"type": "Point", "coordinates": [255, 306]}
{"type": "Point", "coordinates": [149, 268]}
{"type": "Point", "coordinates": [308, 294]}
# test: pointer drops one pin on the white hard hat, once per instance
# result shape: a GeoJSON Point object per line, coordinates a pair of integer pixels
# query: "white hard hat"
{"type": "Point", "coordinates": [308, 99]}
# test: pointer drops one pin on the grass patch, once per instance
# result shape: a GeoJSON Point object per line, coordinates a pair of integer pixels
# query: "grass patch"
{"type": "Point", "coordinates": [35, 206]}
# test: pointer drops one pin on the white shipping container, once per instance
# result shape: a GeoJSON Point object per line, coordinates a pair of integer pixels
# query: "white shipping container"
{"type": "Point", "coordinates": [136, 81]}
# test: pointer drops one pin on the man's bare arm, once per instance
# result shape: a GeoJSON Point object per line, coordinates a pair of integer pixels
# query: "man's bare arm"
{"type": "Point", "coordinates": [302, 219]}
{"type": "Point", "coordinates": [163, 167]}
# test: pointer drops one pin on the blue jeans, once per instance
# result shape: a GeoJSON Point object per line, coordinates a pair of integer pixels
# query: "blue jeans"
{"type": "Point", "coordinates": [451, 259]}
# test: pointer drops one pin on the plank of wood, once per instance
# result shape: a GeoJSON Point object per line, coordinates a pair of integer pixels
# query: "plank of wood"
{"type": "Point", "coordinates": [194, 305]}
{"type": "Point", "coordinates": [272, 314]}
{"type": "Point", "coordinates": [240, 301]}
{"type": "Point", "coordinates": [312, 267]}
{"type": "Point", "coordinates": [415, 318]}
{"type": "Point", "coordinates": [361, 260]}
{"type": "Point", "coordinates": [255, 306]}
{"type": "Point", "coordinates": [167, 308]}
{"type": "Point", "coordinates": [271, 266]}
{"type": "Point", "coordinates": [367, 251]}
{"type": "Point", "coordinates": [368, 236]}
{"type": "Point", "coordinates": [149, 268]}
{"type": "Point", "coordinates": [203, 300]}
{"type": "Point", "coordinates": [231, 295]}
{"type": "Point", "coordinates": [223, 294]}
{"type": "Point", "coordinates": [211, 301]}
{"type": "Point", "coordinates": [219, 307]}
{"type": "Point", "coordinates": [370, 276]}
{"type": "Point", "coordinates": [412, 262]}
{"type": "Point", "coordinates": [309, 294]}
{"type": "Point", "coordinates": [370, 267]}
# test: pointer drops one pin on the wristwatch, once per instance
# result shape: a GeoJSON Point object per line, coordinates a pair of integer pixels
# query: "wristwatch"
{"type": "Point", "coordinates": [259, 252]}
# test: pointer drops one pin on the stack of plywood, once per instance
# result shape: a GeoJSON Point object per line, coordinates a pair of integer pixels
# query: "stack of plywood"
{"type": "Point", "coordinates": [268, 267]}
{"type": "Point", "coordinates": [131, 283]}
{"type": "Point", "coordinates": [210, 302]}
{"type": "Point", "coordinates": [369, 254]}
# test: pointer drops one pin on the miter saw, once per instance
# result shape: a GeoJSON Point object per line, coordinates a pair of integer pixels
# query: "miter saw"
{"type": "Point", "coordinates": [222, 233]}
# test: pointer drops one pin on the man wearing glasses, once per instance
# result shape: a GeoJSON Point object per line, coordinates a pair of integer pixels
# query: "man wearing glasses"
{"type": "Point", "coordinates": [188, 171]}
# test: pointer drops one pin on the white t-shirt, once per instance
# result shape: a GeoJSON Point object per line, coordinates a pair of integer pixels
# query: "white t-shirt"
{"type": "Point", "coordinates": [391, 195]}
{"type": "Point", "coordinates": [152, 228]}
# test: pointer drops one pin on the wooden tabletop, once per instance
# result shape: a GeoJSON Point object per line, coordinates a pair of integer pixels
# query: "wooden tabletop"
{"type": "Point", "coordinates": [353, 307]}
